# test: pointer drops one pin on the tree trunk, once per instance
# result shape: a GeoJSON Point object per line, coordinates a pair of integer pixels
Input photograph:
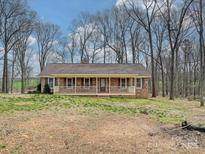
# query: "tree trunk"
{"type": "Point", "coordinates": [5, 88]}
{"type": "Point", "coordinates": [12, 75]}
{"type": "Point", "coordinates": [172, 76]}
{"type": "Point", "coordinates": [202, 55]}
{"type": "Point", "coordinates": [167, 85]}
{"type": "Point", "coordinates": [152, 64]}
{"type": "Point", "coordinates": [176, 84]}
{"type": "Point", "coordinates": [125, 50]}
{"type": "Point", "coordinates": [104, 54]}
{"type": "Point", "coordinates": [157, 86]}
{"type": "Point", "coordinates": [162, 76]}
{"type": "Point", "coordinates": [22, 82]}
{"type": "Point", "coordinates": [195, 79]}
{"type": "Point", "coordinates": [190, 77]}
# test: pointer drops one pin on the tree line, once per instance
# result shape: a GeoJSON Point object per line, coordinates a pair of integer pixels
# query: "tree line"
{"type": "Point", "coordinates": [167, 36]}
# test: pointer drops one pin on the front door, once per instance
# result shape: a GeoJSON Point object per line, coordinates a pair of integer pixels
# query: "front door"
{"type": "Point", "coordinates": [102, 85]}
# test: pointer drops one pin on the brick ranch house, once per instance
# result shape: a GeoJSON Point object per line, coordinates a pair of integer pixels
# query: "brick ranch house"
{"type": "Point", "coordinates": [96, 79]}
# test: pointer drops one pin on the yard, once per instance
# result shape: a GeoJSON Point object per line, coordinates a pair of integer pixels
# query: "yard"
{"type": "Point", "coordinates": [64, 124]}
{"type": "Point", "coordinates": [29, 85]}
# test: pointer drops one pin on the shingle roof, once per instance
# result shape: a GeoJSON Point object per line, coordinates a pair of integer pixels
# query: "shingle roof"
{"type": "Point", "coordinates": [59, 69]}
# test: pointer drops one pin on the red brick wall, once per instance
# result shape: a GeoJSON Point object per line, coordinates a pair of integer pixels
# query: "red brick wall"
{"type": "Point", "coordinates": [43, 81]}
{"type": "Point", "coordinates": [115, 83]}
{"type": "Point", "coordinates": [143, 93]}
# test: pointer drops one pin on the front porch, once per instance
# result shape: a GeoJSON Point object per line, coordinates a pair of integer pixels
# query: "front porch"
{"type": "Point", "coordinates": [93, 86]}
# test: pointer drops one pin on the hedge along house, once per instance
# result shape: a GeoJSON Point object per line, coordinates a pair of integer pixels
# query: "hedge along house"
{"type": "Point", "coordinates": [96, 79]}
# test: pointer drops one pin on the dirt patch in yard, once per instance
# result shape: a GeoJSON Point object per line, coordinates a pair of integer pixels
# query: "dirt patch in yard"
{"type": "Point", "coordinates": [71, 132]}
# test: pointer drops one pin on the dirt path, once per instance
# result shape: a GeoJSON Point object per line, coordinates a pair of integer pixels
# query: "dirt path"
{"type": "Point", "coordinates": [70, 132]}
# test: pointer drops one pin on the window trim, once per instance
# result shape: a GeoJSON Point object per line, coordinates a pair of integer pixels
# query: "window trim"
{"type": "Point", "coordinates": [140, 83]}
{"type": "Point", "coordinates": [86, 87]}
{"type": "Point", "coordinates": [121, 83]}
{"type": "Point", "coordinates": [52, 84]}
{"type": "Point", "coordinates": [69, 87]}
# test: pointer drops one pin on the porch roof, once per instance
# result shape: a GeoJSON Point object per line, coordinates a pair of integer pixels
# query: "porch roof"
{"type": "Point", "coordinates": [94, 69]}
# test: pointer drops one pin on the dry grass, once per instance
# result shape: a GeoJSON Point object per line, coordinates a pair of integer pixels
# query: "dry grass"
{"type": "Point", "coordinates": [56, 124]}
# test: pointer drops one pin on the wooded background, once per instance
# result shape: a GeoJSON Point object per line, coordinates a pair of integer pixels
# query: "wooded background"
{"type": "Point", "coordinates": [167, 36]}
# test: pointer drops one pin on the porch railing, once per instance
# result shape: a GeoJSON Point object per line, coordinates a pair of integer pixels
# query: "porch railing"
{"type": "Point", "coordinates": [93, 90]}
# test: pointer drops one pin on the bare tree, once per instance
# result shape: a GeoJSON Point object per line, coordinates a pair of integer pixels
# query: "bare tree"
{"type": "Point", "coordinates": [12, 23]}
{"type": "Point", "coordinates": [61, 49]}
{"type": "Point", "coordinates": [13, 68]}
{"type": "Point", "coordinates": [84, 30]}
{"type": "Point", "coordinates": [159, 31]}
{"type": "Point", "coordinates": [117, 27]}
{"type": "Point", "coordinates": [72, 44]}
{"type": "Point", "coordinates": [202, 52]}
{"type": "Point", "coordinates": [46, 35]}
{"type": "Point", "coordinates": [21, 48]}
{"type": "Point", "coordinates": [175, 25]}
{"type": "Point", "coordinates": [135, 40]}
{"type": "Point", "coordinates": [1, 15]}
{"type": "Point", "coordinates": [145, 18]}
{"type": "Point", "coordinates": [102, 27]}
{"type": "Point", "coordinates": [94, 47]}
{"type": "Point", "coordinates": [198, 18]}
{"type": "Point", "coordinates": [187, 68]}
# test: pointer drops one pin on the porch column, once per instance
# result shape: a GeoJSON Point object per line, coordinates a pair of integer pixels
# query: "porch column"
{"type": "Point", "coordinates": [109, 84]}
{"type": "Point", "coordinates": [96, 85]}
{"type": "Point", "coordinates": [54, 82]}
{"type": "Point", "coordinates": [75, 84]}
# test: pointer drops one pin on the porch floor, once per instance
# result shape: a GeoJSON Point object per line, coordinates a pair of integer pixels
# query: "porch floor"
{"type": "Point", "coordinates": [97, 94]}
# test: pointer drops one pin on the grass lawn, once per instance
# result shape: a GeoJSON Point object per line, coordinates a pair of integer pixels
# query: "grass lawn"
{"type": "Point", "coordinates": [31, 83]}
{"type": "Point", "coordinates": [161, 109]}
{"type": "Point", "coordinates": [66, 124]}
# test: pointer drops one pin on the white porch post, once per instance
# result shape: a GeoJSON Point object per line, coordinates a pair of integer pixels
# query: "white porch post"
{"type": "Point", "coordinates": [75, 84]}
{"type": "Point", "coordinates": [135, 85]}
{"type": "Point", "coordinates": [54, 88]}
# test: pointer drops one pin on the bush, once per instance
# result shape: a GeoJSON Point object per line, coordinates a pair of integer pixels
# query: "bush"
{"type": "Point", "coordinates": [47, 89]}
{"type": "Point", "coordinates": [38, 88]}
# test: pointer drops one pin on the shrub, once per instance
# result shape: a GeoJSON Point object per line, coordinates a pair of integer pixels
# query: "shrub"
{"type": "Point", "coordinates": [39, 88]}
{"type": "Point", "coordinates": [47, 89]}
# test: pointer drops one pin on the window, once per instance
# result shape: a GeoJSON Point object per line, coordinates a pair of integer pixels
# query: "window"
{"type": "Point", "coordinates": [123, 83]}
{"type": "Point", "coordinates": [82, 82]}
{"type": "Point", "coordinates": [50, 82]}
{"type": "Point", "coordinates": [139, 83]}
{"type": "Point", "coordinates": [65, 82]}
{"type": "Point", "coordinates": [86, 83]}
{"type": "Point", "coordinates": [69, 83]}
